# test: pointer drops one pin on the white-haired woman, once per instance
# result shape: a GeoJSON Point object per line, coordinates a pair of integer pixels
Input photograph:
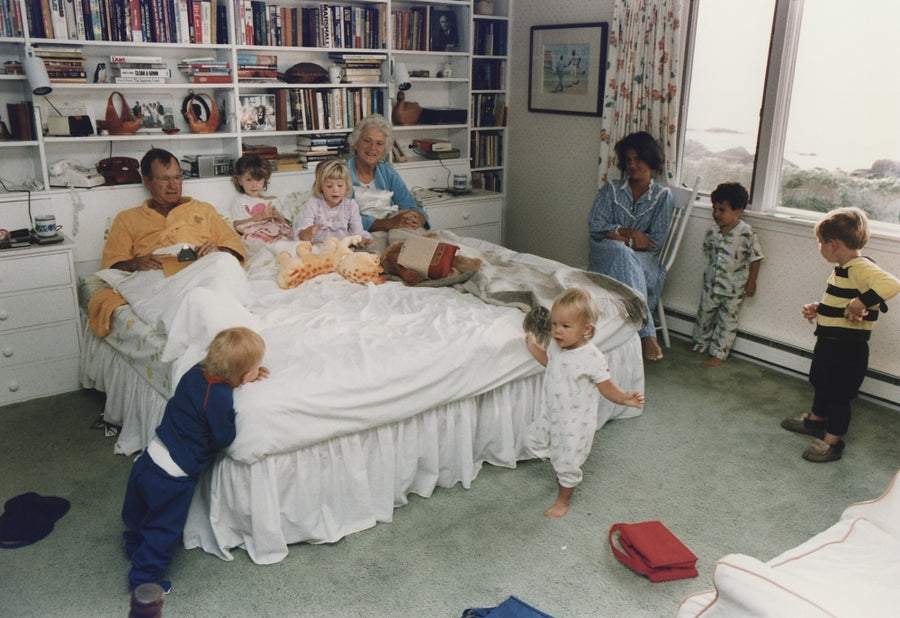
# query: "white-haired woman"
{"type": "Point", "coordinates": [385, 201]}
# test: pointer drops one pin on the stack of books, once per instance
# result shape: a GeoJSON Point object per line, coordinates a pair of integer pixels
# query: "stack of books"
{"type": "Point", "coordinates": [64, 63]}
{"type": "Point", "coordinates": [269, 153]}
{"type": "Point", "coordinates": [359, 68]}
{"type": "Point", "coordinates": [137, 70]}
{"type": "Point", "coordinates": [255, 68]}
{"type": "Point", "coordinates": [315, 148]}
{"type": "Point", "coordinates": [206, 70]}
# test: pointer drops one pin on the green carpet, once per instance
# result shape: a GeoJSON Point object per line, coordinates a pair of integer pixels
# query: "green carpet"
{"type": "Point", "coordinates": [707, 458]}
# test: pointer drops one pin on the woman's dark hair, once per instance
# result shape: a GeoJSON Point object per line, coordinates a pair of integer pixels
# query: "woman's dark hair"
{"type": "Point", "coordinates": [645, 146]}
{"type": "Point", "coordinates": [155, 154]}
{"type": "Point", "coordinates": [732, 192]}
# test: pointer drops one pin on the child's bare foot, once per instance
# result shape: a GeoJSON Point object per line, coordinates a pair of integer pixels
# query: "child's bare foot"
{"type": "Point", "coordinates": [651, 349]}
{"type": "Point", "coordinates": [558, 509]}
{"type": "Point", "coordinates": [561, 506]}
{"type": "Point", "coordinates": [713, 362]}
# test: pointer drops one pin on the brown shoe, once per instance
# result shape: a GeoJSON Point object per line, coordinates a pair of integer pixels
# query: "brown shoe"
{"type": "Point", "coordinates": [820, 451]}
{"type": "Point", "coordinates": [803, 424]}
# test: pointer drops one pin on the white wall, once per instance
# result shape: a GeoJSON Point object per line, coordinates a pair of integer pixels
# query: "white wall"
{"type": "Point", "coordinates": [552, 181]}
{"type": "Point", "coordinates": [552, 158]}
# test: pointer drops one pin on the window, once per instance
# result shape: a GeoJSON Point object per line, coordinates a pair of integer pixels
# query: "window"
{"type": "Point", "coordinates": [797, 101]}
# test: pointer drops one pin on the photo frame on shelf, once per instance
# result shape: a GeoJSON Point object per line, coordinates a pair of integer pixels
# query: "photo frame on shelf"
{"type": "Point", "coordinates": [568, 68]}
{"type": "Point", "coordinates": [257, 112]}
{"type": "Point", "coordinates": [444, 30]}
{"type": "Point", "coordinates": [157, 110]}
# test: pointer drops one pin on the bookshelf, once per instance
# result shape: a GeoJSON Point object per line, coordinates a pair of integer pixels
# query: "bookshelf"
{"type": "Point", "coordinates": [235, 51]}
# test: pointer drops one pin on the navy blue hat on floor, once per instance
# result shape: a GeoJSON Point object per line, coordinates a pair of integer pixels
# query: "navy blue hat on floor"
{"type": "Point", "coordinates": [27, 518]}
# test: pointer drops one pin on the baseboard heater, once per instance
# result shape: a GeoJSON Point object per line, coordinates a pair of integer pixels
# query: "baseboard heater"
{"type": "Point", "coordinates": [782, 354]}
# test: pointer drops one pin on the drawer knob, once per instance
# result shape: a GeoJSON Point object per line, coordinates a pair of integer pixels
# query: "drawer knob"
{"type": "Point", "coordinates": [8, 351]}
{"type": "Point", "coordinates": [3, 314]}
{"type": "Point", "coordinates": [13, 386]}
{"type": "Point", "coordinates": [466, 216]}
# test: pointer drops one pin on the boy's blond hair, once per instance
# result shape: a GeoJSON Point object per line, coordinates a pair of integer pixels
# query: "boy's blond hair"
{"type": "Point", "coordinates": [328, 169]}
{"type": "Point", "coordinates": [232, 353]}
{"type": "Point", "coordinates": [582, 302]}
{"type": "Point", "coordinates": [848, 225]}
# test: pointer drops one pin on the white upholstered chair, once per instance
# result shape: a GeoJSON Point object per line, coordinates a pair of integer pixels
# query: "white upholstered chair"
{"type": "Point", "coordinates": [683, 200]}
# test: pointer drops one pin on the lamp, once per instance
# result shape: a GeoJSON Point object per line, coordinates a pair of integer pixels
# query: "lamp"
{"type": "Point", "coordinates": [36, 72]}
{"type": "Point", "coordinates": [401, 77]}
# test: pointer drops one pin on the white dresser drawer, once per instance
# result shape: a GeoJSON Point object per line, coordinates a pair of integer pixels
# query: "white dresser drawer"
{"type": "Point", "coordinates": [31, 272]}
{"type": "Point", "coordinates": [39, 344]}
{"type": "Point", "coordinates": [459, 213]}
{"type": "Point", "coordinates": [34, 308]}
{"type": "Point", "coordinates": [38, 380]}
{"type": "Point", "coordinates": [490, 233]}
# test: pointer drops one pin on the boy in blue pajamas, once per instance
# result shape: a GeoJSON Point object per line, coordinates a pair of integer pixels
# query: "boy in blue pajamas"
{"type": "Point", "coordinates": [734, 259]}
{"type": "Point", "coordinates": [197, 423]}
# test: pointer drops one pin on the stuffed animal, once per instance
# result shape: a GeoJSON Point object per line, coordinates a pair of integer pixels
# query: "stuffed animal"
{"type": "Point", "coordinates": [335, 255]}
{"type": "Point", "coordinates": [440, 267]}
{"type": "Point", "coordinates": [537, 322]}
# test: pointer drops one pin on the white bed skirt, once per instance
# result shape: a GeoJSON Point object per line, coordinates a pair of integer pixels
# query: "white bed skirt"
{"type": "Point", "coordinates": [321, 493]}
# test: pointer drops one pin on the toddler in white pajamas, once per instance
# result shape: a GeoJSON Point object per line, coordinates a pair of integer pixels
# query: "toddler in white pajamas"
{"type": "Point", "coordinates": [577, 374]}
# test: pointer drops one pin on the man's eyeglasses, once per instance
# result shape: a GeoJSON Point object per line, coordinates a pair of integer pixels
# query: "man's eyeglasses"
{"type": "Point", "coordinates": [168, 179]}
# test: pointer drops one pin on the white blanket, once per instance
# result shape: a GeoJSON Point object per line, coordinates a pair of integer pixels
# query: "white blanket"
{"type": "Point", "coordinates": [343, 357]}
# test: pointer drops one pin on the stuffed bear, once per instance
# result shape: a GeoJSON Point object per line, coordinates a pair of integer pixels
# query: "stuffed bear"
{"type": "Point", "coordinates": [458, 265]}
{"type": "Point", "coordinates": [335, 255]}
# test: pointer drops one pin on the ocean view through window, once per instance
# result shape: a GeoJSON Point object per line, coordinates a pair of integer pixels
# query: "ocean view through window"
{"type": "Point", "coordinates": [797, 101]}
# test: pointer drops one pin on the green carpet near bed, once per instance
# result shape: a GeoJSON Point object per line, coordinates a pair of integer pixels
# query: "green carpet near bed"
{"type": "Point", "coordinates": [707, 457]}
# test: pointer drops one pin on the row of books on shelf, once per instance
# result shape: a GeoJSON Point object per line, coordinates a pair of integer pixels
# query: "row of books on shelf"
{"type": "Point", "coordinates": [307, 109]}
{"type": "Point", "coordinates": [422, 28]}
{"type": "Point", "coordinates": [303, 157]}
{"type": "Point", "coordinates": [488, 110]}
{"type": "Point", "coordinates": [486, 149]}
{"type": "Point", "coordinates": [154, 21]}
{"type": "Point", "coordinates": [326, 109]}
{"type": "Point", "coordinates": [489, 180]}
{"type": "Point", "coordinates": [64, 63]}
{"type": "Point", "coordinates": [21, 121]}
{"type": "Point", "coordinates": [324, 25]}
{"type": "Point", "coordinates": [490, 38]}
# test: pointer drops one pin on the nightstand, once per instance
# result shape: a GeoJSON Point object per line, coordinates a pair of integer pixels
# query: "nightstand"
{"type": "Point", "coordinates": [478, 214]}
{"type": "Point", "coordinates": [39, 326]}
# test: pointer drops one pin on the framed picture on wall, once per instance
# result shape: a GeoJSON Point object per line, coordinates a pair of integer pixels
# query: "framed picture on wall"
{"type": "Point", "coordinates": [568, 68]}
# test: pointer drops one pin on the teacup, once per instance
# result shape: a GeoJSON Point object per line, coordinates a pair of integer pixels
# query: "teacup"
{"type": "Point", "coordinates": [45, 226]}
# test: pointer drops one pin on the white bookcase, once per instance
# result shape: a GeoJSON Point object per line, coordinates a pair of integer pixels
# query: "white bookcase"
{"type": "Point", "coordinates": [482, 145]}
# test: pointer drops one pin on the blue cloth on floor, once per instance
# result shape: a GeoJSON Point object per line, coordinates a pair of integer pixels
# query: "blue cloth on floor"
{"type": "Point", "coordinates": [510, 608]}
{"type": "Point", "coordinates": [27, 518]}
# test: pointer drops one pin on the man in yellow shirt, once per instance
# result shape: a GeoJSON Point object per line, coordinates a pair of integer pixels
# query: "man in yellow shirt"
{"type": "Point", "coordinates": [165, 219]}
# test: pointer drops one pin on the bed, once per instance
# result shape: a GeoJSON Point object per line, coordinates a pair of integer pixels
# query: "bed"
{"type": "Point", "coordinates": [375, 392]}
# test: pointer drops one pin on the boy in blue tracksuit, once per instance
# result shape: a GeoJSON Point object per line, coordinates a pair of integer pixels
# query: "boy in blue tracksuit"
{"type": "Point", "coordinates": [197, 423]}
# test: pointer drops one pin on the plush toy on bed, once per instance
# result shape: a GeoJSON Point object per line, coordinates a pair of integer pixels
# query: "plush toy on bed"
{"type": "Point", "coordinates": [537, 322]}
{"type": "Point", "coordinates": [422, 260]}
{"type": "Point", "coordinates": [334, 256]}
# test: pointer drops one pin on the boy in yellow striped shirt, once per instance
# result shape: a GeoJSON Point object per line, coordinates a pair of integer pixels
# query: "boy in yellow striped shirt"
{"type": "Point", "coordinates": [855, 295]}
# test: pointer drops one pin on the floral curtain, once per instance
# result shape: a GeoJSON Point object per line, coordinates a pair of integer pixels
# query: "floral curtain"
{"type": "Point", "coordinates": [643, 87]}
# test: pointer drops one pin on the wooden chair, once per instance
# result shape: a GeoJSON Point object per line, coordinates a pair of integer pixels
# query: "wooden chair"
{"type": "Point", "coordinates": [683, 200]}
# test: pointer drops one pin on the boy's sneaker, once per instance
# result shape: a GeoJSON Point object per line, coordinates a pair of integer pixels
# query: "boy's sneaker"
{"type": "Point", "coordinates": [803, 424]}
{"type": "Point", "coordinates": [820, 451]}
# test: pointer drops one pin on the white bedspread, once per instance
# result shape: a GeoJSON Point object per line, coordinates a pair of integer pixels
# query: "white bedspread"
{"type": "Point", "coordinates": [343, 357]}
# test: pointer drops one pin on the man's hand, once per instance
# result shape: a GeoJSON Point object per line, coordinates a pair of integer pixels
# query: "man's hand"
{"type": "Point", "coordinates": [205, 249]}
{"type": "Point", "coordinates": [139, 262]}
